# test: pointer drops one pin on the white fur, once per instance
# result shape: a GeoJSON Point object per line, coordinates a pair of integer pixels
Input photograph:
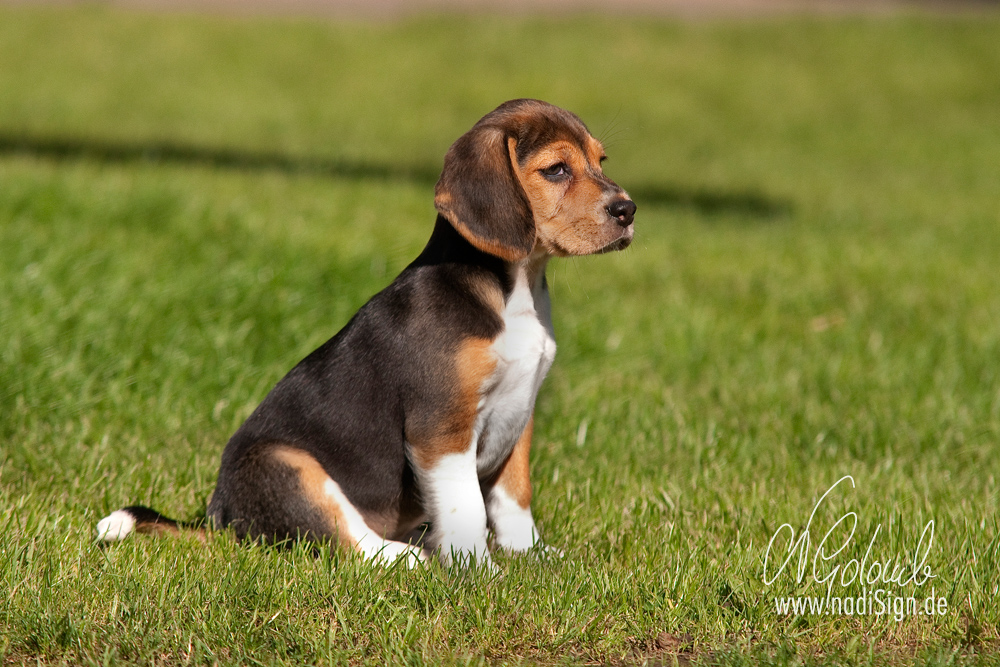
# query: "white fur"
{"type": "Point", "coordinates": [451, 490]}
{"type": "Point", "coordinates": [116, 526]}
{"type": "Point", "coordinates": [524, 353]}
{"type": "Point", "coordinates": [513, 526]}
{"type": "Point", "coordinates": [368, 543]}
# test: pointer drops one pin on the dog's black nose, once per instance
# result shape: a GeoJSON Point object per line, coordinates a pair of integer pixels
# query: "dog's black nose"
{"type": "Point", "coordinates": [622, 210]}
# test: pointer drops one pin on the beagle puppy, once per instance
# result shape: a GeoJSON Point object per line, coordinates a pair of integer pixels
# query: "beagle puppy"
{"type": "Point", "coordinates": [420, 410]}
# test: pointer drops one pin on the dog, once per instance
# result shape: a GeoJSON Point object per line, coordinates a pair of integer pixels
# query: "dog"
{"type": "Point", "coordinates": [419, 412]}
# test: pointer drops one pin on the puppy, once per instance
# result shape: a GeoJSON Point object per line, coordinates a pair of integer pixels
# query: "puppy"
{"type": "Point", "coordinates": [420, 409]}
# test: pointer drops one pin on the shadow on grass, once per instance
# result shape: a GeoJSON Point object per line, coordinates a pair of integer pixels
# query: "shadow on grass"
{"type": "Point", "coordinates": [67, 148]}
{"type": "Point", "coordinates": [712, 202]}
{"type": "Point", "coordinates": [708, 202]}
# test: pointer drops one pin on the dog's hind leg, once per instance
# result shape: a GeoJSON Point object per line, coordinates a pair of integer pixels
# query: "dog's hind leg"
{"type": "Point", "coordinates": [284, 493]}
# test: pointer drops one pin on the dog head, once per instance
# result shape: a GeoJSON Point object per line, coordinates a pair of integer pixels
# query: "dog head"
{"type": "Point", "coordinates": [528, 177]}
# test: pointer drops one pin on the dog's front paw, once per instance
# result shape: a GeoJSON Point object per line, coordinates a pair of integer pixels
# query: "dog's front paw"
{"type": "Point", "coordinates": [518, 543]}
{"type": "Point", "coordinates": [517, 534]}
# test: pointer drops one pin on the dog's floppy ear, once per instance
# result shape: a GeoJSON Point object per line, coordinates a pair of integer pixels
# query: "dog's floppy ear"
{"type": "Point", "coordinates": [480, 195]}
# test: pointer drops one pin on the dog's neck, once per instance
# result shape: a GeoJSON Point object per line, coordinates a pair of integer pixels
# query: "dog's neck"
{"type": "Point", "coordinates": [447, 246]}
{"type": "Point", "coordinates": [535, 263]}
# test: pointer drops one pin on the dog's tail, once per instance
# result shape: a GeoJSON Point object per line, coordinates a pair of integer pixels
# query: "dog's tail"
{"type": "Point", "coordinates": [139, 519]}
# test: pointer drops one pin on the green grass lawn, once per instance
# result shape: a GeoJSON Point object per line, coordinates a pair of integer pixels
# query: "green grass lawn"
{"type": "Point", "coordinates": [189, 205]}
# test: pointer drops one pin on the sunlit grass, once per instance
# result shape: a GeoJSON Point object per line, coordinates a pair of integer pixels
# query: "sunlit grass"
{"type": "Point", "coordinates": [189, 205]}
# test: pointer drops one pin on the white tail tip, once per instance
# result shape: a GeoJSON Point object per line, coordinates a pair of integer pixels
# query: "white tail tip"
{"type": "Point", "coordinates": [115, 527]}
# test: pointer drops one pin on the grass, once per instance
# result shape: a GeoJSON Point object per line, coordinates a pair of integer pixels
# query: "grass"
{"type": "Point", "coordinates": [189, 205]}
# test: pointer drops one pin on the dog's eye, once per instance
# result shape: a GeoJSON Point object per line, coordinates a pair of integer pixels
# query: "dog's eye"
{"type": "Point", "coordinates": [556, 172]}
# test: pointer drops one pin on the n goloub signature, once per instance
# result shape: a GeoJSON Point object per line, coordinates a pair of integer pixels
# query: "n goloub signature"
{"type": "Point", "coordinates": [868, 571]}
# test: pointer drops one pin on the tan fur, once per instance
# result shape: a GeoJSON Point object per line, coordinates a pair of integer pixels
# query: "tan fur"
{"type": "Point", "coordinates": [514, 477]}
{"type": "Point", "coordinates": [474, 364]}
{"type": "Point", "coordinates": [312, 478]}
{"type": "Point", "coordinates": [489, 293]}
{"type": "Point", "coordinates": [157, 529]}
{"type": "Point", "coordinates": [492, 247]}
{"type": "Point", "coordinates": [570, 216]}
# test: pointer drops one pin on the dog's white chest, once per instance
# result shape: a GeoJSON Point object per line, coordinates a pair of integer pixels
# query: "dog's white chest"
{"type": "Point", "coordinates": [524, 354]}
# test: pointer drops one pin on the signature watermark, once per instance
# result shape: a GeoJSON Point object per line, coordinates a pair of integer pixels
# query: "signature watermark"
{"type": "Point", "coordinates": [823, 561]}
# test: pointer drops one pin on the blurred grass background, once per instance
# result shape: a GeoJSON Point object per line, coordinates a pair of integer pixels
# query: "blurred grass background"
{"type": "Point", "coordinates": [190, 204]}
